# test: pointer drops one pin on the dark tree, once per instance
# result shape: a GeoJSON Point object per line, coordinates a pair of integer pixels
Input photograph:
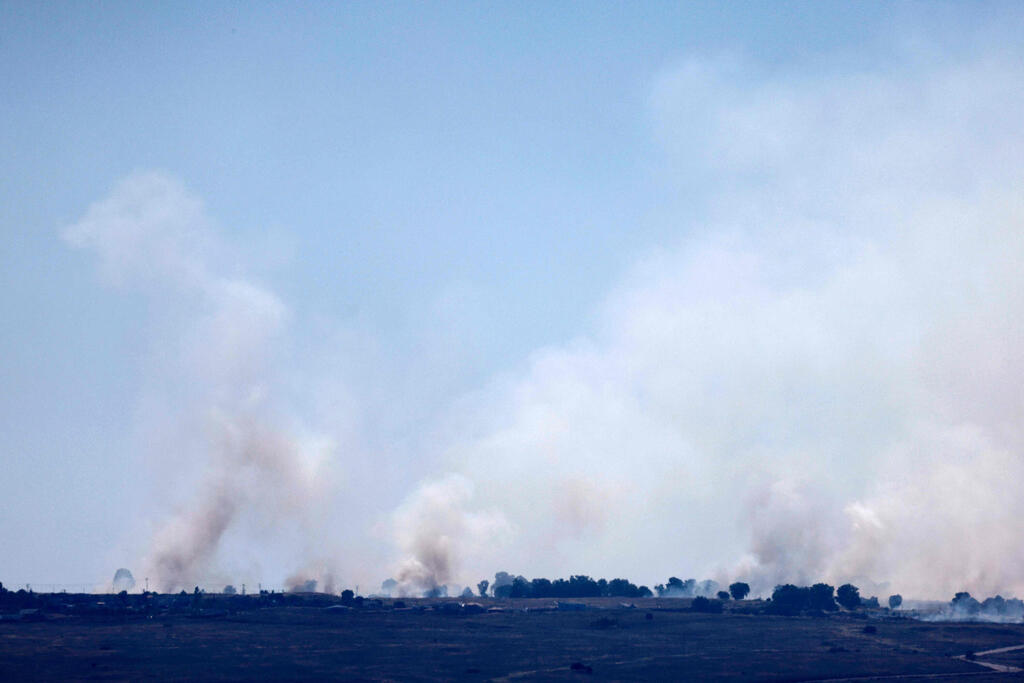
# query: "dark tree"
{"type": "Point", "coordinates": [848, 596]}
{"type": "Point", "coordinates": [520, 588]}
{"type": "Point", "coordinates": [347, 596]}
{"type": "Point", "coordinates": [821, 597]}
{"type": "Point", "coordinates": [482, 588]}
{"type": "Point", "coordinates": [660, 589]}
{"type": "Point", "coordinates": [739, 590]}
{"type": "Point", "coordinates": [645, 592]}
{"type": "Point", "coordinates": [467, 592]}
{"type": "Point", "coordinates": [895, 601]}
{"type": "Point", "coordinates": [582, 586]}
{"type": "Point", "coordinates": [541, 588]}
{"type": "Point", "coordinates": [789, 599]}
{"type": "Point", "coordinates": [723, 596]}
{"type": "Point", "coordinates": [622, 588]}
{"type": "Point", "coordinates": [229, 590]}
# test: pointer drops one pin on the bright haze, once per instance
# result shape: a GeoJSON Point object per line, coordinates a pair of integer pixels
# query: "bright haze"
{"type": "Point", "coordinates": [353, 291]}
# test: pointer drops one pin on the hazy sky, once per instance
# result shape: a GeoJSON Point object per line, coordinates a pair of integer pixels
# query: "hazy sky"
{"type": "Point", "coordinates": [450, 249]}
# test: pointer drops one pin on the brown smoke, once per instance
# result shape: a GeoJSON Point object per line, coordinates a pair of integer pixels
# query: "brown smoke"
{"type": "Point", "coordinates": [214, 371]}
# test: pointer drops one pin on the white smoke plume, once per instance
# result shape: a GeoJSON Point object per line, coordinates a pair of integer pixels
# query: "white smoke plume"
{"type": "Point", "coordinates": [821, 381]}
{"type": "Point", "coordinates": [436, 531]}
{"type": "Point", "coordinates": [315, 576]}
{"type": "Point", "coordinates": [214, 341]}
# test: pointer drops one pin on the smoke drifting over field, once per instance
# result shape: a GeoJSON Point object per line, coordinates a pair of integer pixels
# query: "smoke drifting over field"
{"type": "Point", "coordinates": [822, 380]}
{"type": "Point", "coordinates": [436, 533]}
{"type": "Point", "coordinates": [214, 361]}
{"type": "Point", "coordinates": [819, 381]}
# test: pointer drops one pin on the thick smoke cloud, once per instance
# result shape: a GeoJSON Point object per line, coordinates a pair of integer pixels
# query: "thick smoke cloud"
{"type": "Point", "coordinates": [215, 334]}
{"type": "Point", "coordinates": [435, 530]}
{"type": "Point", "coordinates": [821, 381]}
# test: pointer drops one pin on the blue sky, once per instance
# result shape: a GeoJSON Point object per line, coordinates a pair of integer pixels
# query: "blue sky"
{"type": "Point", "coordinates": [436, 193]}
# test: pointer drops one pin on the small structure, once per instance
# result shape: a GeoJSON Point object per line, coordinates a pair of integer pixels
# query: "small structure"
{"type": "Point", "coordinates": [123, 580]}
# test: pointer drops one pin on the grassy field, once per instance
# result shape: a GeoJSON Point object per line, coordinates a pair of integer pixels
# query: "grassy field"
{"type": "Point", "coordinates": [649, 642]}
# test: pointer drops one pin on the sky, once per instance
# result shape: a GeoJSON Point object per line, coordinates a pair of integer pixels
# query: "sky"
{"type": "Point", "coordinates": [364, 290]}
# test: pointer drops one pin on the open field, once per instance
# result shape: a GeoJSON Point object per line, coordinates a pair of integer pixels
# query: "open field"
{"type": "Point", "coordinates": [530, 641]}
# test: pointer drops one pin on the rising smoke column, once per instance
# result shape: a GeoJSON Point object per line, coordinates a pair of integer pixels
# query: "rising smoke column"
{"type": "Point", "coordinates": [216, 334]}
{"type": "Point", "coordinates": [821, 380]}
{"type": "Point", "coordinates": [436, 529]}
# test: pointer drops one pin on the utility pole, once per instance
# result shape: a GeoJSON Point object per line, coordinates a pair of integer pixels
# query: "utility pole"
{"type": "Point", "coordinates": [243, 589]}
{"type": "Point", "coordinates": [147, 584]}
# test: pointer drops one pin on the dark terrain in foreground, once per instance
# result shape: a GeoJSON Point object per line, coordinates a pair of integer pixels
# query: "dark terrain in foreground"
{"type": "Point", "coordinates": [655, 640]}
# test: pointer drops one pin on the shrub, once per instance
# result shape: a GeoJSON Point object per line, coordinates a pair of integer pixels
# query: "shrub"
{"type": "Point", "coordinates": [702, 604]}
{"type": "Point", "coordinates": [964, 603]}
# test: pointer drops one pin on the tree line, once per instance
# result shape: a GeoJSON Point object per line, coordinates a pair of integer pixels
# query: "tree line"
{"type": "Point", "coordinates": [581, 586]}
